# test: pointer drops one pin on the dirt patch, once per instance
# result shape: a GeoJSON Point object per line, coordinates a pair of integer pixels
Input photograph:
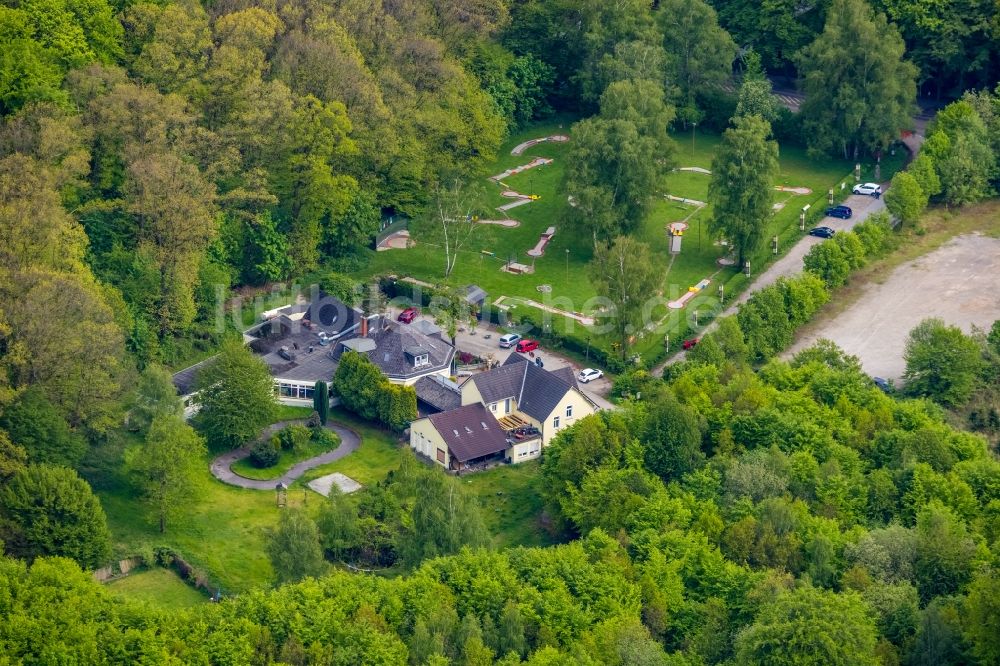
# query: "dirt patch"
{"type": "Point", "coordinates": [959, 282]}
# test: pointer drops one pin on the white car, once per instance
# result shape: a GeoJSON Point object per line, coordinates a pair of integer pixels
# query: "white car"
{"type": "Point", "coordinates": [589, 375]}
{"type": "Point", "coordinates": [873, 189]}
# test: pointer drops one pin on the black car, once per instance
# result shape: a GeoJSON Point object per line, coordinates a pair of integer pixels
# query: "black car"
{"type": "Point", "coordinates": [843, 212]}
{"type": "Point", "coordinates": [822, 232]}
{"type": "Point", "coordinates": [882, 384]}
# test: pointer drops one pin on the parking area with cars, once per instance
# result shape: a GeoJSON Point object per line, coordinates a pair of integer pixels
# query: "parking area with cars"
{"type": "Point", "coordinates": [488, 342]}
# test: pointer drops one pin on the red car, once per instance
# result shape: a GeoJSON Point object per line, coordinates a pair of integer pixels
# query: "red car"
{"type": "Point", "coordinates": [407, 315]}
{"type": "Point", "coordinates": [690, 343]}
{"type": "Point", "coordinates": [525, 346]}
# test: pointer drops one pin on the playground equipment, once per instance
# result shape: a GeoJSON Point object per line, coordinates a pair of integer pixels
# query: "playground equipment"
{"type": "Point", "coordinates": [691, 293]}
{"type": "Point", "coordinates": [539, 248]}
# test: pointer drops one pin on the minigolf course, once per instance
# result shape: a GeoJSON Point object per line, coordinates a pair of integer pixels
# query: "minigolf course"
{"type": "Point", "coordinates": [521, 147]}
{"type": "Point", "coordinates": [539, 248]}
{"type": "Point", "coordinates": [519, 198]}
{"type": "Point", "coordinates": [506, 222]}
{"type": "Point", "coordinates": [691, 293]}
{"type": "Point", "coordinates": [537, 162]}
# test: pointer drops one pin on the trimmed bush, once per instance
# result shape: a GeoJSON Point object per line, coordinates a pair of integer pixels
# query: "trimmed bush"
{"type": "Point", "coordinates": [365, 391]}
{"type": "Point", "coordinates": [265, 452]}
{"type": "Point", "coordinates": [397, 406]}
{"type": "Point", "coordinates": [321, 401]}
{"type": "Point", "coordinates": [294, 438]}
{"type": "Point", "coordinates": [325, 438]}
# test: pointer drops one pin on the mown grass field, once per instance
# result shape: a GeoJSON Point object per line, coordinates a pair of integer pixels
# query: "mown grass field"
{"type": "Point", "coordinates": [159, 587]}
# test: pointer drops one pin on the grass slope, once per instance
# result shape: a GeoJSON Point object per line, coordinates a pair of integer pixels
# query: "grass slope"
{"type": "Point", "coordinates": [159, 587]}
{"type": "Point", "coordinates": [511, 501]}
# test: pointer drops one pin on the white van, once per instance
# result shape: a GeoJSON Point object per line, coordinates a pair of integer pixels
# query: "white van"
{"type": "Point", "coordinates": [509, 340]}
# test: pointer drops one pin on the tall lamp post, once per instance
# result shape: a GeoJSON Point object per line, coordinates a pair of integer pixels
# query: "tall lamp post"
{"type": "Point", "coordinates": [567, 265]}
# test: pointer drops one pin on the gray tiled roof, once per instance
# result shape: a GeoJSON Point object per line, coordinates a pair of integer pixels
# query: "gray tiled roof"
{"type": "Point", "coordinates": [566, 374]}
{"type": "Point", "coordinates": [185, 379]}
{"type": "Point", "coordinates": [541, 393]}
{"type": "Point", "coordinates": [312, 361]}
{"type": "Point", "coordinates": [474, 294]}
{"type": "Point", "coordinates": [500, 383]}
{"type": "Point", "coordinates": [537, 390]}
{"type": "Point", "coordinates": [392, 339]}
{"type": "Point", "coordinates": [470, 432]}
{"type": "Point", "coordinates": [438, 392]}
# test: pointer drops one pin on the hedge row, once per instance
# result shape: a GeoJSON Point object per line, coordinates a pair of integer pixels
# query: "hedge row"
{"type": "Point", "coordinates": [768, 320]}
{"type": "Point", "coordinates": [834, 260]}
{"type": "Point", "coordinates": [364, 390]}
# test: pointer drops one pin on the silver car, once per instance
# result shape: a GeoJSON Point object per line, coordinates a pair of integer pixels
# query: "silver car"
{"type": "Point", "coordinates": [509, 340]}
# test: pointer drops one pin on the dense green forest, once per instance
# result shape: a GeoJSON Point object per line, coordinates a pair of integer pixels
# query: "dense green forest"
{"type": "Point", "coordinates": [791, 515]}
{"type": "Point", "coordinates": [157, 158]}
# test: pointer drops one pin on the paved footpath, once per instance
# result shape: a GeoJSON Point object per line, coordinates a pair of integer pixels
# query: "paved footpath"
{"type": "Point", "coordinates": [221, 466]}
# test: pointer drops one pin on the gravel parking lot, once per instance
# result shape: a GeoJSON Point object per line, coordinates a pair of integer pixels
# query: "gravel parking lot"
{"type": "Point", "coordinates": [959, 282]}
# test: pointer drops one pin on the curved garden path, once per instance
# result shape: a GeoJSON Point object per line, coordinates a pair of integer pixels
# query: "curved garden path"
{"type": "Point", "coordinates": [221, 466]}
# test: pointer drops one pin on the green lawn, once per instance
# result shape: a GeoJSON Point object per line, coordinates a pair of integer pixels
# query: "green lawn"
{"type": "Point", "coordinates": [222, 534]}
{"type": "Point", "coordinates": [286, 460]}
{"type": "Point", "coordinates": [158, 586]}
{"type": "Point", "coordinates": [379, 453]}
{"type": "Point", "coordinates": [511, 501]}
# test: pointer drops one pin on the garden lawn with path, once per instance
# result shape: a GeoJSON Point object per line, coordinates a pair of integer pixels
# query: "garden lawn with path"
{"type": "Point", "coordinates": [286, 459]}
{"type": "Point", "coordinates": [223, 532]}
{"type": "Point", "coordinates": [378, 454]}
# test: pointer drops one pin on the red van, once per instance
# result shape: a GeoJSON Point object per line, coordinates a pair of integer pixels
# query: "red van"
{"type": "Point", "coordinates": [525, 346]}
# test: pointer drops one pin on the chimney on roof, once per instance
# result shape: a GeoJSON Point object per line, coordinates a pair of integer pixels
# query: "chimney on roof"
{"type": "Point", "coordinates": [364, 327]}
